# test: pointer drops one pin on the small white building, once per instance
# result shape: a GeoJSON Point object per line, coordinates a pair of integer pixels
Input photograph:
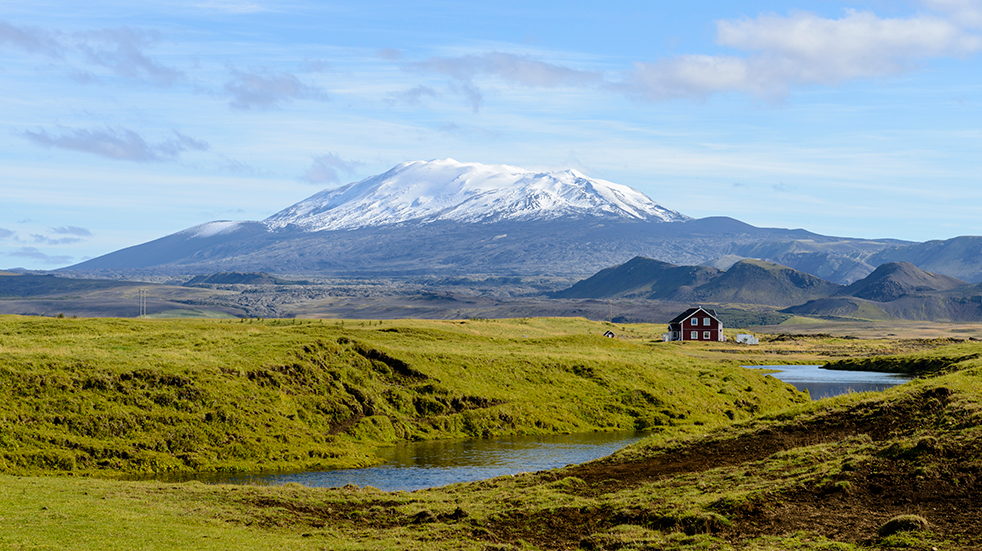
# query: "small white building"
{"type": "Point", "coordinates": [744, 338]}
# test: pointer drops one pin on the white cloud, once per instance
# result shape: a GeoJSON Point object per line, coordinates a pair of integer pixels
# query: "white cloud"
{"type": "Point", "coordinates": [803, 49]}
{"type": "Point", "coordinates": [967, 13]}
{"type": "Point", "coordinates": [117, 143]}
{"type": "Point", "coordinates": [325, 168]}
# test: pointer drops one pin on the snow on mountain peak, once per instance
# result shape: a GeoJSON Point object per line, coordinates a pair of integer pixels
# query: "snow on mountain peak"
{"type": "Point", "coordinates": [211, 229]}
{"type": "Point", "coordinates": [428, 191]}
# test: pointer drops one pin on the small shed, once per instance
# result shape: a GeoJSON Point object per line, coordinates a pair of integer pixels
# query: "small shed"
{"type": "Point", "coordinates": [695, 324]}
{"type": "Point", "coordinates": [746, 338]}
{"type": "Point", "coordinates": [609, 334]}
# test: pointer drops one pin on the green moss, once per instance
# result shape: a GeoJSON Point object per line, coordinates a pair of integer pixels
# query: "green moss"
{"type": "Point", "coordinates": [111, 395]}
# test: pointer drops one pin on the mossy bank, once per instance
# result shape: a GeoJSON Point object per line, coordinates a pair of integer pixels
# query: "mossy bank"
{"type": "Point", "coordinates": [893, 470]}
{"type": "Point", "coordinates": [152, 396]}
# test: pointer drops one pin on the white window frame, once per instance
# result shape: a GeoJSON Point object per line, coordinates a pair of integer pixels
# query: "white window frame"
{"type": "Point", "coordinates": [706, 335]}
{"type": "Point", "coordinates": [695, 336]}
{"type": "Point", "coordinates": [705, 321]}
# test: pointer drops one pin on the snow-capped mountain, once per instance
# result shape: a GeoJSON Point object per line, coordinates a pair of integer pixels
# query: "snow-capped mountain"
{"type": "Point", "coordinates": [445, 218]}
{"type": "Point", "coordinates": [446, 190]}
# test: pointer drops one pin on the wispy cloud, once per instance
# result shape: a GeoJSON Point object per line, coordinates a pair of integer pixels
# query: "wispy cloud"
{"type": "Point", "coordinates": [389, 54]}
{"type": "Point", "coordinates": [117, 143]}
{"type": "Point", "coordinates": [325, 168]}
{"type": "Point", "coordinates": [316, 66]}
{"type": "Point", "coordinates": [265, 90]}
{"type": "Point", "coordinates": [34, 254]}
{"type": "Point", "coordinates": [413, 96]}
{"type": "Point", "coordinates": [46, 240]}
{"type": "Point", "coordinates": [32, 40]}
{"type": "Point", "coordinates": [512, 68]}
{"type": "Point", "coordinates": [5, 233]}
{"type": "Point", "coordinates": [803, 49]}
{"type": "Point", "coordinates": [121, 51]}
{"type": "Point", "coordinates": [72, 230]}
{"type": "Point", "coordinates": [231, 6]}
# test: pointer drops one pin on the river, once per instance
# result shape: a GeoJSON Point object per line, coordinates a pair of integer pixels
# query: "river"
{"type": "Point", "coordinates": [823, 383]}
{"type": "Point", "coordinates": [416, 465]}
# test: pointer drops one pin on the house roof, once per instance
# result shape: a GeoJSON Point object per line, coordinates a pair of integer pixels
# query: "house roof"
{"type": "Point", "coordinates": [690, 312]}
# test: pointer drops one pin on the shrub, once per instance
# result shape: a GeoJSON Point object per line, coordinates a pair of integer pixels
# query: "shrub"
{"type": "Point", "coordinates": [903, 523]}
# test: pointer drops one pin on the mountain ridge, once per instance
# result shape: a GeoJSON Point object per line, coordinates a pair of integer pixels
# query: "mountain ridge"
{"type": "Point", "coordinates": [748, 281]}
{"type": "Point", "coordinates": [447, 218]}
{"type": "Point", "coordinates": [447, 190]}
{"type": "Point", "coordinates": [894, 290]}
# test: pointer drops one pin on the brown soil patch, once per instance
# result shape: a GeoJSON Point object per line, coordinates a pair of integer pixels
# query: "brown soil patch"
{"type": "Point", "coordinates": [939, 479]}
{"type": "Point", "coordinates": [949, 496]}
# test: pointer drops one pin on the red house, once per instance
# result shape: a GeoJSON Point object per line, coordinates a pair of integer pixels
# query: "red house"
{"type": "Point", "coordinates": [695, 324]}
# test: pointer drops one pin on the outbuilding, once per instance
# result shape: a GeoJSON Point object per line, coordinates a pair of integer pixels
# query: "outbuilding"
{"type": "Point", "coordinates": [695, 324]}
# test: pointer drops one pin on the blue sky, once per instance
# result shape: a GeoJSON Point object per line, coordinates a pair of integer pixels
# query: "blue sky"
{"type": "Point", "coordinates": [122, 123]}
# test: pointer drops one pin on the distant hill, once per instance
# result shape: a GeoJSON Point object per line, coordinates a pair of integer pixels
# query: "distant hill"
{"type": "Point", "coordinates": [641, 277]}
{"type": "Point", "coordinates": [897, 279]}
{"type": "Point", "coordinates": [896, 290]}
{"type": "Point", "coordinates": [903, 291]}
{"type": "Point", "coordinates": [239, 278]}
{"type": "Point", "coordinates": [746, 282]}
{"type": "Point", "coordinates": [959, 257]}
{"type": "Point", "coordinates": [938, 307]}
{"type": "Point", "coordinates": [843, 261]}
{"type": "Point", "coordinates": [840, 307]}
{"type": "Point", "coordinates": [30, 285]}
{"type": "Point", "coordinates": [759, 282]}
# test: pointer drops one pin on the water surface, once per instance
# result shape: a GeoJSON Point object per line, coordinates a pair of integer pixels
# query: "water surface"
{"type": "Point", "coordinates": [416, 465]}
{"type": "Point", "coordinates": [823, 383]}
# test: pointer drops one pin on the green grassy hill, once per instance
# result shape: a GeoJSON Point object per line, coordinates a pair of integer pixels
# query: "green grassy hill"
{"type": "Point", "coordinates": [111, 395]}
{"type": "Point", "coordinates": [871, 471]}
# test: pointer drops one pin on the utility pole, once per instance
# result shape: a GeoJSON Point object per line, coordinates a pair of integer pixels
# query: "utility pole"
{"type": "Point", "coordinates": [143, 303]}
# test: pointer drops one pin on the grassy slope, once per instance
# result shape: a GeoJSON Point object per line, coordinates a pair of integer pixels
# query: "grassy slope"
{"type": "Point", "coordinates": [111, 396]}
{"type": "Point", "coordinates": [818, 475]}
{"type": "Point", "coordinates": [821, 475]}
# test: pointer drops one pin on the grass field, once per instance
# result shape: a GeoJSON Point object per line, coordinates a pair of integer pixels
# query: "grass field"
{"type": "Point", "coordinates": [782, 474]}
{"type": "Point", "coordinates": [111, 395]}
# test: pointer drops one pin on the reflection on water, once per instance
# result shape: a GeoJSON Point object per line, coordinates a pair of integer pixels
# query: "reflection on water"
{"type": "Point", "coordinates": [416, 465]}
{"type": "Point", "coordinates": [823, 383]}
